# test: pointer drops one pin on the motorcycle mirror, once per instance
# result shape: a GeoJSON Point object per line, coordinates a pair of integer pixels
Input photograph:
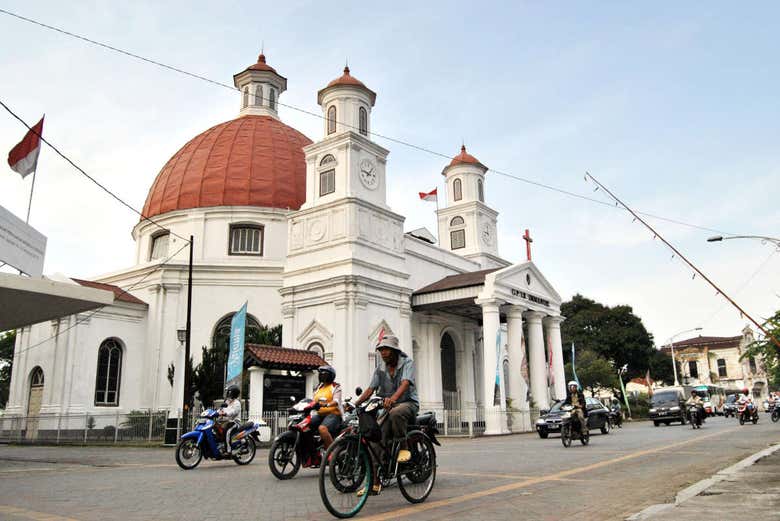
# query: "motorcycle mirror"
{"type": "Point", "coordinates": [358, 390]}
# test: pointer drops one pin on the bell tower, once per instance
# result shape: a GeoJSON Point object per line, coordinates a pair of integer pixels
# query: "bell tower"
{"type": "Point", "coordinates": [260, 86]}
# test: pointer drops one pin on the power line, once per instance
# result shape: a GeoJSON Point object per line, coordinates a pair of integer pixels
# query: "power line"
{"type": "Point", "coordinates": [348, 125]}
{"type": "Point", "coordinates": [74, 165]}
{"type": "Point", "coordinates": [90, 315]}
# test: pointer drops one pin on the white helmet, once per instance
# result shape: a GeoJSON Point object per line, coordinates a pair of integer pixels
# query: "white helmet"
{"type": "Point", "coordinates": [575, 384]}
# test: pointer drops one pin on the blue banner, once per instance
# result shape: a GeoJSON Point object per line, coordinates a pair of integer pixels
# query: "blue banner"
{"type": "Point", "coordinates": [235, 364]}
{"type": "Point", "coordinates": [573, 369]}
{"type": "Point", "coordinates": [497, 388]}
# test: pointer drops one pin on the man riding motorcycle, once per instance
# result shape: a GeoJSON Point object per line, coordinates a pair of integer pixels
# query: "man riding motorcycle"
{"type": "Point", "coordinates": [747, 400]}
{"type": "Point", "coordinates": [327, 398]}
{"type": "Point", "coordinates": [394, 379]}
{"type": "Point", "coordinates": [229, 411]}
{"type": "Point", "coordinates": [576, 398]}
{"type": "Point", "coordinates": [696, 400]}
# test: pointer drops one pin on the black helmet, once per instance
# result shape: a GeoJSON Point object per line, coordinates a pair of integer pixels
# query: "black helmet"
{"type": "Point", "coordinates": [326, 374]}
{"type": "Point", "coordinates": [694, 393]}
{"type": "Point", "coordinates": [233, 392]}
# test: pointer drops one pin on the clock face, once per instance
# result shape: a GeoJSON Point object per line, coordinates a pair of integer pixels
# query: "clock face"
{"type": "Point", "coordinates": [487, 234]}
{"type": "Point", "coordinates": [368, 173]}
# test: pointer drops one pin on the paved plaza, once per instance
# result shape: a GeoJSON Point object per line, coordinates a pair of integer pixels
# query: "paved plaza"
{"type": "Point", "coordinates": [518, 477]}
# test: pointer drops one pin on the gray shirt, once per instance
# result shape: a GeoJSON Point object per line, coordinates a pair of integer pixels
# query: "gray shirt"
{"type": "Point", "coordinates": [385, 385]}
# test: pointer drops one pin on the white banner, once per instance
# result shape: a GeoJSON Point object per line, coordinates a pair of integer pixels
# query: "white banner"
{"type": "Point", "coordinates": [21, 245]}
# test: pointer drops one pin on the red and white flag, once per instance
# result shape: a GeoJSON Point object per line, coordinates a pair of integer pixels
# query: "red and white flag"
{"type": "Point", "coordinates": [23, 158]}
{"type": "Point", "coordinates": [430, 196]}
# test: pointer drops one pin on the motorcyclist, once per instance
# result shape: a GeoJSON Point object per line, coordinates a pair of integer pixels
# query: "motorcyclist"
{"type": "Point", "coordinates": [696, 400]}
{"type": "Point", "coordinates": [576, 398]}
{"type": "Point", "coordinates": [327, 398]}
{"type": "Point", "coordinates": [617, 409]}
{"type": "Point", "coordinates": [747, 400]}
{"type": "Point", "coordinates": [230, 410]}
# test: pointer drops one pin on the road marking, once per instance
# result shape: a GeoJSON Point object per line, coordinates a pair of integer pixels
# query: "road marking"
{"type": "Point", "coordinates": [32, 514]}
{"type": "Point", "coordinates": [496, 476]}
{"type": "Point", "coordinates": [422, 507]}
{"type": "Point", "coordinates": [36, 469]}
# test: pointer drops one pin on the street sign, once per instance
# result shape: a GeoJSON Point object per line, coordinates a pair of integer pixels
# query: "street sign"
{"type": "Point", "coordinates": [21, 245]}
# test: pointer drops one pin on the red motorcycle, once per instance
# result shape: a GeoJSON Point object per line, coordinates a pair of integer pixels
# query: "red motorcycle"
{"type": "Point", "coordinates": [747, 412]}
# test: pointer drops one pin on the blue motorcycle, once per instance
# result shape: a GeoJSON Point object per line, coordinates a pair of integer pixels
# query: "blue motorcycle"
{"type": "Point", "coordinates": [202, 443]}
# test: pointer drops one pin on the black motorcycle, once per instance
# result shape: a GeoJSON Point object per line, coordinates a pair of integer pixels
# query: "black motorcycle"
{"type": "Point", "coordinates": [694, 416]}
{"type": "Point", "coordinates": [616, 417]}
{"type": "Point", "coordinates": [571, 428]}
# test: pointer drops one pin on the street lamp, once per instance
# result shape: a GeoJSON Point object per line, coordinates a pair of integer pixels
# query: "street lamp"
{"type": "Point", "coordinates": [670, 343]}
{"type": "Point", "coordinates": [762, 238]}
{"type": "Point", "coordinates": [181, 334]}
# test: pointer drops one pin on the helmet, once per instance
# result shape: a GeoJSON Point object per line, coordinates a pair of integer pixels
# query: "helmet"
{"type": "Point", "coordinates": [745, 390]}
{"type": "Point", "coordinates": [233, 392]}
{"type": "Point", "coordinates": [575, 384]}
{"type": "Point", "coordinates": [326, 374]}
{"type": "Point", "coordinates": [694, 393]}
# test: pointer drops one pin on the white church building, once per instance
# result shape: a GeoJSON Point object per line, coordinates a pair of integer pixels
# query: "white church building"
{"type": "Point", "coordinates": [302, 231]}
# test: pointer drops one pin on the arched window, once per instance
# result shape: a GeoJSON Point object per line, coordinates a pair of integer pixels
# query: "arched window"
{"type": "Point", "coordinates": [363, 121]}
{"type": "Point", "coordinates": [752, 365]}
{"type": "Point", "coordinates": [272, 99]}
{"type": "Point", "coordinates": [316, 347]}
{"type": "Point", "coordinates": [328, 159]}
{"type": "Point", "coordinates": [245, 102]}
{"type": "Point", "coordinates": [480, 190]}
{"type": "Point", "coordinates": [246, 239]}
{"type": "Point", "coordinates": [457, 221]}
{"type": "Point", "coordinates": [159, 248]}
{"type": "Point", "coordinates": [457, 236]}
{"type": "Point", "coordinates": [457, 190]}
{"type": "Point", "coordinates": [331, 119]}
{"type": "Point", "coordinates": [36, 378]}
{"type": "Point", "coordinates": [259, 96]}
{"type": "Point", "coordinates": [109, 372]}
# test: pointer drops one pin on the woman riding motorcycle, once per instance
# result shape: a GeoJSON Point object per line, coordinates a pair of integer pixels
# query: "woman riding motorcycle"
{"type": "Point", "coordinates": [229, 411]}
{"type": "Point", "coordinates": [327, 398]}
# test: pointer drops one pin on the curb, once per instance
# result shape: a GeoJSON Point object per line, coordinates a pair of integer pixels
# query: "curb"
{"type": "Point", "coordinates": [700, 486]}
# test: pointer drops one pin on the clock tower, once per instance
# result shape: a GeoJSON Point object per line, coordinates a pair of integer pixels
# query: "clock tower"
{"type": "Point", "coordinates": [467, 226]}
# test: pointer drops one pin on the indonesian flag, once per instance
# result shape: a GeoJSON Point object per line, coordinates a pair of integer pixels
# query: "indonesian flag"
{"type": "Point", "coordinates": [23, 158]}
{"type": "Point", "coordinates": [649, 383]}
{"type": "Point", "coordinates": [430, 196]}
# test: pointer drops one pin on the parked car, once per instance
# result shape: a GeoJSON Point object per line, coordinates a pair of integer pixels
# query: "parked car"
{"type": "Point", "coordinates": [667, 405]}
{"type": "Point", "coordinates": [550, 421]}
{"type": "Point", "coordinates": [730, 406]}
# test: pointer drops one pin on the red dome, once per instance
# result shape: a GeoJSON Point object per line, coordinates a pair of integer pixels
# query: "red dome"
{"type": "Point", "coordinates": [347, 79]}
{"type": "Point", "coordinates": [248, 161]}
{"type": "Point", "coordinates": [464, 158]}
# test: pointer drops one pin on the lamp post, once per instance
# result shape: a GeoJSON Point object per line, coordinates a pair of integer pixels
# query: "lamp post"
{"type": "Point", "coordinates": [670, 343]}
{"type": "Point", "coordinates": [762, 238]}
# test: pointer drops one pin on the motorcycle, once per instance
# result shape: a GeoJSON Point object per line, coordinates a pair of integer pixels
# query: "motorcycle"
{"type": "Point", "coordinates": [775, 414]}
{"type": "Point", "coordinates": [694, 416]}
{"type": "Point", "coordinates": [202, 442]}
{"type": "Point", "coordinates": [747, 412]}
{"type": "Point", "coordinates": [616, 417]}
{"type": "Point", "coordinates": [571, 428]}
{"type": "Point", "coordinates": [300, 446]}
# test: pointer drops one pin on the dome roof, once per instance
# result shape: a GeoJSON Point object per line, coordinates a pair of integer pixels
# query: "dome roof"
{"type": "Point", "coordinates": [261, 65]}
{"type": "Point", "coordinates": [248, 161]}
{"type": "Point", "coordinates": [347, 80]}
{"type": "Point", "coordinates": [464, 158]}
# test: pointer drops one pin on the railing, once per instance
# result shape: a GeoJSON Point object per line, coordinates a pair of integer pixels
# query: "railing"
{"type": "Point", "coordinates": [475, 421]}
{"type": "Point", "coordinates": [85, 429]}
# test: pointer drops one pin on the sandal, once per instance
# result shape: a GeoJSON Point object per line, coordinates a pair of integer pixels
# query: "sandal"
{"type": "Point", "coordinates": [375, 490]}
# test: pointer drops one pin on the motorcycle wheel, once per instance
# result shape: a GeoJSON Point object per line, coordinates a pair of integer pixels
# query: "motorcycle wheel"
{"type": "Point", "coordinates": [188, 454]}
{"type": "Point", "coordinates": [585, 438]}
{"type": "Point", "coordinates": [742, 419]}
{"type": "Point", "coordinates": [775, 416]}
{"type": "Point", "coordinates": [566, 435]}
{"type": "Point", "coordinates": [755, 419]}
{"type": "Point", "coordinates": [283, 459]}
{"type": "Point", "coordinates": [246, 453]}
{"type": "Point", "coordinates": [605, 427]}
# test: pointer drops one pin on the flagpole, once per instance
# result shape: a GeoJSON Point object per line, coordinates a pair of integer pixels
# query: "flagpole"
{"type": "Point", "coordinates": [438, 232]}
{"type": "Point", "coordinates": [32, 188]}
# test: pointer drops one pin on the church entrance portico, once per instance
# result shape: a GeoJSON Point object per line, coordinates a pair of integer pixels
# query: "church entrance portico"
{"type": "Point", "coordinates": [516, 313]}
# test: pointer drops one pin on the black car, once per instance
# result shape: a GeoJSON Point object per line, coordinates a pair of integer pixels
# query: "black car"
{"type": "Point", "coordinates": [550, 421]}
{"type": "Point", "coordinates": [730, 406]}
{"type": "Point", "coordinates": [667, 405]}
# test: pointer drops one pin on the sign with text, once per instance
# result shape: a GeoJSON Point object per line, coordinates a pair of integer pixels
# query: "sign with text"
{"type": "Point", "coordinates": [21, 245]}
{"type": "Point", "coordinates": [235, 365]}
{"type": "Point", "coordinates": [528, 296]}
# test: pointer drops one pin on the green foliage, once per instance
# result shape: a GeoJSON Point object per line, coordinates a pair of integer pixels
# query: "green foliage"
{"type": "Point", "coordinates": [614, 334]}
{"type": "Point", "coordinates": [136, 424]}
{"type": "Point", "coordinates": [767, 351]}
{"type": "Point", "coordinates": [7, 341]}
{"type": "Point", "coordinates": [593, 371]}
{"type": "Point", "coordinates": [639, 405]}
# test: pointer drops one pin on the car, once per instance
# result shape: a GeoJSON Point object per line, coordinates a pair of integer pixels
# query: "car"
{"type": "Point", "coordinates": [550, 421]}
{"type": "Point", "coordinates": [730, 406]}
{"type": "Point", "coordinates": [667, 405]}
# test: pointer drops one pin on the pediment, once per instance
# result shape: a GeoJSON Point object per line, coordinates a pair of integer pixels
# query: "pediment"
{"type": "Point", "coordinates": [523, 282]}
{"type": "Point", "coordinates": [373, 337]}
{"type": "Point", "coordinates": [315, 329]}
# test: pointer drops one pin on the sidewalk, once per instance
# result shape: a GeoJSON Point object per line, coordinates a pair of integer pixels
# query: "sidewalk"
{"type": "Point", "coordinates": [748, 490]}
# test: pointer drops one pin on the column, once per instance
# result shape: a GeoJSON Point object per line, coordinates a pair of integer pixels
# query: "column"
{"type": "Point", "coordinates": [466, 374]}
{"type": "Point", "coordinates": [177, 398]}
{"type": "Point", "coordinates": [553, 329]}
{"type": "Point", "coordinates": [256, 388]}
{"type": "Point", "coordinates": [311, 384]}
{"type": "Point", "coordinates": [433, 398]}
{"type": "Point", "coordinates": [517, 388]}
{"type": "Point", "coordinates": [536, 360]}
{"type": "Point", "coordinates": [495, 422]}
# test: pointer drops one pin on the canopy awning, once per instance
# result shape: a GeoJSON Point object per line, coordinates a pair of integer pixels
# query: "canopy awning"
{"type": "Point", "coordinates": [273, 357]}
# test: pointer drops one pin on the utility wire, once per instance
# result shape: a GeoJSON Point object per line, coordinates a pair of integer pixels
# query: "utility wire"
{"type": "Point", "coordinates": [90, 315]}
{"type": "Point", "coordinates": [348, 125]}
{"type": "Point", "coordinates": [81, 170]}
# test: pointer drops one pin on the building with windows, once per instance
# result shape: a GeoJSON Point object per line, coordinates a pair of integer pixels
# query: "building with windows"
{"type": "Point", "coordinates": [712, 360]}
{"type": "Point", "coordinates": [302, 231]}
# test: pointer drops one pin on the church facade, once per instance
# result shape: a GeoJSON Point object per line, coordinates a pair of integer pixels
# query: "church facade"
{"type": "Point", "coordinates": [302, 231]}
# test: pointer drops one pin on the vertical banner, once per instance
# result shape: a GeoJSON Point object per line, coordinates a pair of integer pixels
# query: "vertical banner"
{"type": "Point", "coordinates": [235, 365]}
{"type": "Point", "coordinates": [573, 369]}
{"type": "Point", "coordinates": [497, 387]}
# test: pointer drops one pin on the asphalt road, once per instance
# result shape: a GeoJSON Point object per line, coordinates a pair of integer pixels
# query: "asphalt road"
{"type": "Point", "coordinates": [520, 477]}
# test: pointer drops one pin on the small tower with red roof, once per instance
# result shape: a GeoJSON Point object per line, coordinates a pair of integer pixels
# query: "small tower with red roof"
{"type": "Point", "coordinates": [260, 86]}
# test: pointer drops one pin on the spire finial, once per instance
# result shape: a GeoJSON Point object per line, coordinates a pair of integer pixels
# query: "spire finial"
{"type": "Point", "coordinates": [346, 65]}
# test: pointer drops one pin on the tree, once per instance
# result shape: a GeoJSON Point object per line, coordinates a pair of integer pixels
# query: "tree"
{"type": "Point", "coordinates": [593, 371]}
{"type": "Point", "coordinates": [615, 334]}
{"type": "Point", "coordinates": [765, 350]}
{"type": "Point", "coordinates": [7, 342]}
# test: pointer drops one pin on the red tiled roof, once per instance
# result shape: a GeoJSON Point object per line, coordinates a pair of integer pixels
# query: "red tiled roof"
{"type": "Point", "coordinates": [247, 161]}
{"type": "Point", "coordinates": [464, 158]}
{"type": "Point", "coordinates": [348, 80]}
{"type": "Point", "coordinates": [712, 342]}
{"type": "Point", "coordinates": [282, 358]}
{"type": "Point", "coordinates": [119, 293]}
{"type": "Point", "coordinates": [640, 381]}
{"type": "Point", "coordinates": [261, 65]}
{"type": "Point", "coordinates": [461, 280]}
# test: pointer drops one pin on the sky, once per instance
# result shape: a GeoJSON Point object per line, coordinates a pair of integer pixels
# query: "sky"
{"type": "Point", "coordinates": [673, 107]}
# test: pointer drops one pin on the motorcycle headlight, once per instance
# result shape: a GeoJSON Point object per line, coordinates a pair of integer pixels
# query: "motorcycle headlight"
{"type": "Point", "coordinates": [540, 421]}
{"type": "Point", "coordinates": [675, 408]}
{"type": "Point", "coordinates": [652, 410]}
